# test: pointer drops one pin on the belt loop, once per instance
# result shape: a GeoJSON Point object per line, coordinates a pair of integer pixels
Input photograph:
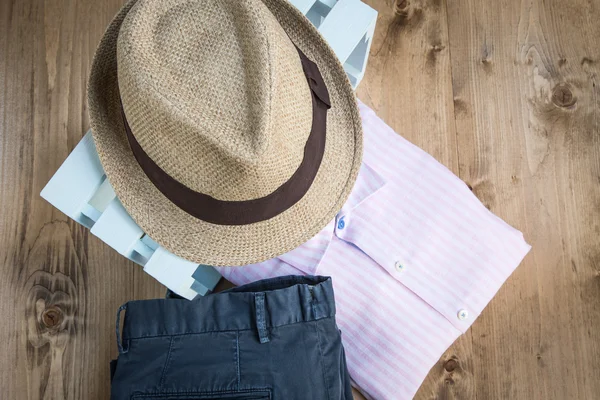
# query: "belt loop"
{"type": "Point", "coordinates": [119, 338]}
{"type": "Point", "coordinates": [261, 323]}
{"type": "Point", "coordinates": [317, 309]}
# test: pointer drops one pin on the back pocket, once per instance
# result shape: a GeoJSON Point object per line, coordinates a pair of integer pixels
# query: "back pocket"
{"type": "Point", "coordinates": [239, 395]}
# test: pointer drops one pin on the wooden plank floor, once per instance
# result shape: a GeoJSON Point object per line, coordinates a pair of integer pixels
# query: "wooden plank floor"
{"type": "Point", "coordinates": [505, 93]}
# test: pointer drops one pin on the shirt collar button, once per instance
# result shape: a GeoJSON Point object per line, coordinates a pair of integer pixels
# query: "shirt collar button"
{"type": "Point", "coordinates": [399, 266]}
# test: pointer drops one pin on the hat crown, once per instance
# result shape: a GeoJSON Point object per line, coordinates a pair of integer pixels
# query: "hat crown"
{"type": "Point", "coordinates": [214, 93]}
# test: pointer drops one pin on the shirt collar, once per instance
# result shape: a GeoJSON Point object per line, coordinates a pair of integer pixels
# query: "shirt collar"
{"type": "Point", "coordinates": [307, 256]}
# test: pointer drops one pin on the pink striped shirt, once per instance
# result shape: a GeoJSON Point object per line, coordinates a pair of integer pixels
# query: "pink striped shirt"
{"type": "Point", "coordinates": [414, 258]}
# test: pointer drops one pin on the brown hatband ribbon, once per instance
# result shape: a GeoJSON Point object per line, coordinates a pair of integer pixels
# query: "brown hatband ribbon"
{"type": "Point", "coordinates": [223, 212]}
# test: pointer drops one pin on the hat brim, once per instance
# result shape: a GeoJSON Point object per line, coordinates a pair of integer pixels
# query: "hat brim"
{"type": "Point", "coordinates": [226, 245]}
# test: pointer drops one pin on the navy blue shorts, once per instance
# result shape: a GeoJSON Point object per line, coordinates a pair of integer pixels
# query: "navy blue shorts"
{"type": "Point", "coordinates": [272, 339]}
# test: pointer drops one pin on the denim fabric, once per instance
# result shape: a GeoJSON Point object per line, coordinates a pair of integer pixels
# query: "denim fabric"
{"type": "Point", "coordinates": [272, 339]}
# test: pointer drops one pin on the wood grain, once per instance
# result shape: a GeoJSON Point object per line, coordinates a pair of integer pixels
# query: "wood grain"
{"type": "Point", "coordinates": [525, 115]}
{"type": "Point", "coordinates": [527, 110]}
{"type": "Point", "coordinates": [408, 79]}
{"type": "Point", "coordinates": [59, 286]}
{"type": "Point", "coordinates": [505, 93]}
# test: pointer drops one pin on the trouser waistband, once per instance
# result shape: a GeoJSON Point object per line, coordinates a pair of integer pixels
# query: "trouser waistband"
{"type": "Point", "coordinates": [259, 306]}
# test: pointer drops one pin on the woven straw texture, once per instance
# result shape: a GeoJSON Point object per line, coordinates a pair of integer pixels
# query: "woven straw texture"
{"type": "Point", "coordinates": [215, 94]}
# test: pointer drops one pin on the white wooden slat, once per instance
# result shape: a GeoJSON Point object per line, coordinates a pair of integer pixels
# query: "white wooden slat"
{"type": "Point", "coordinates": [329, 3]}
{"type": "Point", "coordinates": [354, 75]}
{"type": "Point", "coordinates": [356, 63]}
{"type": "Point", "coordinates": [206, 278]}
{"type": "Point", "coordinates": [303, 5]}
{"type": "Point", "coordinates": [346, 25]}
{"type": "Point", "coordinates": [172, 271]}
{"type": "Point", "coordinates": [76, 179]}
{"type": "Point", "coordinates": [318, 12]}
{"type": "Point", "coordinates": [200, 288]}
{"type": "Point", "coordinates": [91, 212]}
{"type": "Point", "coordinates": [149, 242]}
{"type": "Point", "coordinates": [102, 197]}
{"type": "Point", "coordinates": [143, 250]}
{"type": "Point", "coordinates": [117, 229]}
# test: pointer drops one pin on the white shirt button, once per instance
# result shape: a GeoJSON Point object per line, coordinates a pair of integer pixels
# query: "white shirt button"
{"type": "Point", "coordinates": [462, 314]}
{"type": "Point", "coordinates": [399, 266]}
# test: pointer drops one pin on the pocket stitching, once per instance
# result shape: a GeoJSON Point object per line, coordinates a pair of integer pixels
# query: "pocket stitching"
{"type": "Point", "coordinates": [321, 360]}
{"type": "Point", "coordinates": [167, 363]}
{"type": "Point", "coordinates": [237, 358]}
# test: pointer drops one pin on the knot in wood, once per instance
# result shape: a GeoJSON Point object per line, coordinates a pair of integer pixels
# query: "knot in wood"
{"type": "Point", "coordinates": [52, 317]}
{"type": "Point", "coordinates": [562, 96]}
{"type": "Point", "coordinates": [401, 4]}
{"type": "Point", "coordinates": [451, 365]}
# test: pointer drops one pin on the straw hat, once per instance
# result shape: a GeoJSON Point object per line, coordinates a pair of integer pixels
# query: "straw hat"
{"type": "Point", "coordinates": [227, 128]}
